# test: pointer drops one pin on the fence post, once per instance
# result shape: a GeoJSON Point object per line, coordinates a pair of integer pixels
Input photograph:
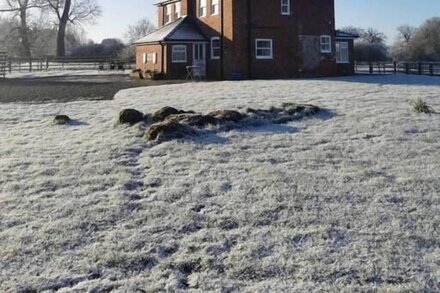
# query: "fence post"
{"type": "Point", "coordinates": [10, 65]}
{"type": "Point", "coordinates": [47, 63]}
{"type": "Point", "coordinates": [395, 67]}
{"type": "Point", "coordinates": [420, 68]}
{"type": "Point", "coordinates": [431, 69]}
{"type": "Point", "coordinates": [371, 67]}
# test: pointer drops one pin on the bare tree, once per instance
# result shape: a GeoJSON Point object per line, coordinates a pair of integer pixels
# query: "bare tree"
{"type": "Point", "coordinates": [20, 9]}
{"type": "Point", "coordinates": [406, 32]}
{"type": "Point", "coordinates": [71, 11]}
{"type": "Point", "coordinates": [400, 48]}
{"type": "Point", "coordinates": [371, 44]}
{"type": "Point", "coordinates": [373, 36]}
{"type": "Point", "coordinates": [139, 30]}
{"type": "Point", "coordinates": [135, 32]}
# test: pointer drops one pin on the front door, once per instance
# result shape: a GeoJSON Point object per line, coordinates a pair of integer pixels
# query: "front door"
{"type": "Point", "coordinates": [199, 58]}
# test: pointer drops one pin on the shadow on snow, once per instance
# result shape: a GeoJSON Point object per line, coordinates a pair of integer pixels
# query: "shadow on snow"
{"type": "Point", "coordinates": [389, 79]}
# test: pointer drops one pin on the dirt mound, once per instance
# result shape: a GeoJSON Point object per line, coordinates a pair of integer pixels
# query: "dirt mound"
{"type": "Point", "coordinates": [170, 123]}
{"type": "Point", "coordinates": [61, 119]}
{"type": "Point", "coordinates": [169, 130]}
{"type": "Point", "coordinates": [130, 116]}
{"type": "Point", "coordinates": [227, 115]}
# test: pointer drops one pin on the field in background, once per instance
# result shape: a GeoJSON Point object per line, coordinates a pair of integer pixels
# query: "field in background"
{"type": "Point", "coordinates": [342, 202]}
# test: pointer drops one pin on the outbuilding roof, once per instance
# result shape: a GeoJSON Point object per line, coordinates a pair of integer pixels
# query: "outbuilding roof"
{"type": "Point", "coordinates": [182, 30]}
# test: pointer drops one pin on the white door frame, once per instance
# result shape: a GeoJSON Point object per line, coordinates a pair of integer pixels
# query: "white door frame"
{"type": "Point", "coordinates": [197, 61]}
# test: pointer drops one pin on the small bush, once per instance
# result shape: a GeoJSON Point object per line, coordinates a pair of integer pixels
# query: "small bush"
{"type": "Point", "coordinates": [420, 106]}
{"type": "Point", "coordinates": [155, 75]}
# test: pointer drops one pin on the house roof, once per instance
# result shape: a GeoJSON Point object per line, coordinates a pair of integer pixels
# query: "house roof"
{"type": "Point", "coordinates": [345, 35]}
{"type": "Point", "coordinates": [182, 30]}
{"type": "Point", "coordinates": [162, 2]}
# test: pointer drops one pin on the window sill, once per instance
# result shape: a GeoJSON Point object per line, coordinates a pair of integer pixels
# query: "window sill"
{"type": "Point", "coordinates": [264, 58]}
{"type": "Point", "coordinates": [178, 62]}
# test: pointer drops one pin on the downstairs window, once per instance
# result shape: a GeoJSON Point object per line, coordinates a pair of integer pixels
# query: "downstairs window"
{"type": "Point", "coordinates": [178, 54]}
{"type": "Point", "coordinates": [263, 49]}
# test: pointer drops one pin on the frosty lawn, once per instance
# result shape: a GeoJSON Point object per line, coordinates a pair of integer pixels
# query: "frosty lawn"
{"type": "Point", "coordinates": [343, 202]}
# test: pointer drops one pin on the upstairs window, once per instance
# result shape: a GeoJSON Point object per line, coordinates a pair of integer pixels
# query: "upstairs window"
{"type": "Point", "coordinates": [285, 7]}
{"type": "Point", "coordinates": [202, 8]}
{"type": "Point", "coordinates": [167, 14]}
{"type": "Point", "coordinates": [214, 7]}
{"type": "Point", "coordinates": [263, 49]}
{"type": "Point", "coordinates": [177, 10]}
{"type": "Point", "coordinates": [342, 55]}
{"type": "Point", "coordinates": [326, 44]}
{"type": "Point", "coordinates": [215, 48]}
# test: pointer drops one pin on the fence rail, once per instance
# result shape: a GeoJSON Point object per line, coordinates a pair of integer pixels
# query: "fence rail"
{"type": "Point", "coordinates": [12, 64]}
{"type": "Point", "coordinates": [420, 68]}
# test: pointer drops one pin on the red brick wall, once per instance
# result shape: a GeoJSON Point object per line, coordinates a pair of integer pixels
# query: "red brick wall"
{"type": "Point", "coordinates": [315, 18]}
{"type": "Point", "coordinates": [312, 17]}
{"type": "Point", "coordinates": [211, 27]}
{"type": "Point", "coordinates": [268, 23]}
{"type": "Point", "coordinates": [160, 16]}
{"type": "Point", "coordinates": [141, 50]}
{"type": "Point", "coordinates": [309, 18]}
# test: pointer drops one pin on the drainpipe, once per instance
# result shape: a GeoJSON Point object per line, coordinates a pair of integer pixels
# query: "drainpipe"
{"type": "Point", "coordinates": [249, 37]}
{"type": "Point", "coordinates": [222, 36]}
{"type": "Point", "coordinates": [162, 60]}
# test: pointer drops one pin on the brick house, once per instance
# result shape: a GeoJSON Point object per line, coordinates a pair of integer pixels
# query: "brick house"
{"type": "Point", "coordinates": [245, 39]}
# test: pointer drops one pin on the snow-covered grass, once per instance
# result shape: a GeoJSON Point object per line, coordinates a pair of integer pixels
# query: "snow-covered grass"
{"type": "Point", "coordinates": [332, 203]}
{"type": "Point", "coordinates": [59, 73]}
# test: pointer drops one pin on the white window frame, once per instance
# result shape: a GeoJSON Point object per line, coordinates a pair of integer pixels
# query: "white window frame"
{"type": "Point", "coordinates": [202, 8]}
{"type": "Point", "coordinates": [182, 49]}
{"type": "Point", "coordinates": [345, 47]}
{"type": "Point", "coordinates": [150, 58]}
{"type": "Point", "coordinates": [168, 14]}
{"type": "Point", "coordinates": [213, 48]}
{"type": "Point", "coordinates": [326, 40]}
{"type": "Point", "coordinates": [177, 10]}
{"type": "Point", "coordinates": [263, 48]}
{"type": "Point", "coordinates": [285, 7]}
{"type": "Point", "coordinates": [215, 7]}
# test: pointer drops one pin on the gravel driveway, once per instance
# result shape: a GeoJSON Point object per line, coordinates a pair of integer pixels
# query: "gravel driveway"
{"type": "Point", "coordinates": [68, 88]}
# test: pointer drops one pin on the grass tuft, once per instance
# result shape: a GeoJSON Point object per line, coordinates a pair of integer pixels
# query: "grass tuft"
{"type": "Point", "coordinates": [420, 106]}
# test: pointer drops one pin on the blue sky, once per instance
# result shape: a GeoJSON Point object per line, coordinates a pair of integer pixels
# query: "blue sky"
{"type": "Point", "coordinates": [384, 15]}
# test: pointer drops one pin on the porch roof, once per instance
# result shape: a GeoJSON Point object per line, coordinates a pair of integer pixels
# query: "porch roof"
{"type": "Point", "coordinates": [345, 35]}
{"type": "Point", "coordinates": [182, 30]}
